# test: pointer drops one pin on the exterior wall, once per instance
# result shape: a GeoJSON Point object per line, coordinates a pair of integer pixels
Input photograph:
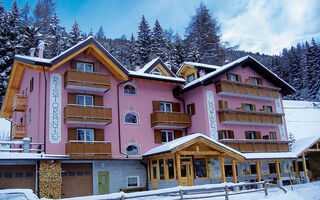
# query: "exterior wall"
{"type": "Point", "coordinates": [166, 184]}
{"type": "Point", "coordinates": [118, 170]}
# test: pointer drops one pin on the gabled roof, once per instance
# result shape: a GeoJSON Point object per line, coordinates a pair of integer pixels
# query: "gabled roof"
{"type": "Point", "coordinates": [244, 61]}
{"type": "Point", "coordinates": [197, 65]}
{"type": "Point", "coordinates": [146, 72]}
{"type": "Point", "coordinates": [303, 144]}
{"type": "Point", "coordinates": [175, 144]}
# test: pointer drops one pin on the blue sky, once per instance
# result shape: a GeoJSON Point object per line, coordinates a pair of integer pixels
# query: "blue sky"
{"type": "Point", "coordinates": [265, 26]}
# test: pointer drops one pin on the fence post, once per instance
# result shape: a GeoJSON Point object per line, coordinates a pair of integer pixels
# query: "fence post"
{"type": "Point", "coordinates": [181, 194]}
{"type": "Point", "coordinates": [226, 190]}
{"type": "Point", "coordinates": [122, 197]}
{"type": "Point", "coordinates": [26, 145]}
{"type": "Point", "coordinates": [265, 188]}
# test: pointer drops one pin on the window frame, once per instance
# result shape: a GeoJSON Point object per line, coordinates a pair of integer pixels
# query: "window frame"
{"type": "Point", "coordinates": [236, 76]}
{"type": "Point", "coordinates": [138, 181]}
{"type": "Point", "coordinates": [273, 135]}
{"type": "Point", "coordinates": [84, 99]}
{"type": "Point", "coordinates": [165, 106]}
{"type": "Point", "coordinates": [166, 132]}
{"type": "Point", "coordinates": [189, 76]}
{"type": "Point", "coordinates": [135, 89]}
{"type": "Point", "coordinates": [254, 81]}
{"type": "Point", "coordinates": [138, 150]}
{"type": "Point", "coordinates": [157, 71]}
{"type": "Point", "coordinates": [268, 109]}
{"type": "Point", "coordinates": [251, 135]}
{"type": "Point", "coordinates": [84, 68]}
{"type": "Point", "coordinates": [130, 123]}
{"type": "Point", "coordinates": [85, 131]}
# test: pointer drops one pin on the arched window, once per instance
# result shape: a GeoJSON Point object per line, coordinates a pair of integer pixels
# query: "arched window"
{"type": "Point", "coordinates": [131, 118]}
{"type": "Point", "coordinates": [132, 150]}
{"type": "Point", "coordinates": [129, 89]}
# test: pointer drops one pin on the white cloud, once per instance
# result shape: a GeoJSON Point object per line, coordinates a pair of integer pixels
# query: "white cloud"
{"type": "Point", "coordinates": [269, 26]}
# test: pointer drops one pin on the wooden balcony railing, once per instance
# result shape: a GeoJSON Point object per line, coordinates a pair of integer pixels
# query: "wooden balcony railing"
{"type": "Point", "coordinates": [18, 131]}
{"type": "Point", "coordinates": [170, 119]}
{"type": "Point", "coordinates": [237, 116]}
{"type": "Point", "coordinates": [87, 81]}
{"type": "Point", "coordinates": [90, 150]}
{"type": "Point", "coordinates": [247, 145]}
{"type": "Point", "coordinates": [19, 103]}
{"type": "Point", "coordinates": [87, 114]}
{"type": "Point", "coordinates": [234, 88]}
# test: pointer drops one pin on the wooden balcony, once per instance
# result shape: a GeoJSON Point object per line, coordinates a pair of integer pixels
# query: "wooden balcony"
{"type": "Point", "coordinates": [87, 81]}
{"type": "Point", "coordinates": [19, 131]}
{"type": "Point", "coordinates": [246, 145]}
{"type": "Point", "coordinates": [170, 120]}
{"type": "Point", "coordinates": [19, 103]}
{"type": "Point", "coordinates": [87, 115]}
{"type": "Point", "coordinates": [88, 150]}
{"type": "Point", "coordinates": [237, 116]}
{"type": "Point", "coordinates": [234, 88]}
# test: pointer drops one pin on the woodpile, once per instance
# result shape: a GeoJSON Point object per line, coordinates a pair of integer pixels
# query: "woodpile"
{"type": "Point", "coordinates": [50, 179]}
{"type": "Point", "coordinates": [314, 160]}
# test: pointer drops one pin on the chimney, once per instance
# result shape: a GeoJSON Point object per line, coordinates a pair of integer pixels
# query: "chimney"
{"type": "Point", "coordinates": [31, 51]}
{"type": "Point", "coordinates": [202, 73]}
{"type": "Point", "coordinates": [41, 49]}
{"type": "Point", "coordinates": [138, 66]}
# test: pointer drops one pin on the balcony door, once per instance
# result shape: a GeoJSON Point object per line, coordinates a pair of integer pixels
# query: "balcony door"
{"type": "Point", "coordinates": [165, 107]}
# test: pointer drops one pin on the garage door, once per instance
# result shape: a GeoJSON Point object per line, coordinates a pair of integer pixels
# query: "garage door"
{"type": "Point", "coordinates": [17, 176]}
{"type": "Point", "coordinates": [76, 180]}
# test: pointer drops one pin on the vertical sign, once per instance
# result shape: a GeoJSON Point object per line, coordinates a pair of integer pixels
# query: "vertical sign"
{"type": "Point", "coordinates": [281, 127]}
{"type": "Point", "coordinates": [55, 109]}
{"type": "Point", "coordinates": [211, 115]}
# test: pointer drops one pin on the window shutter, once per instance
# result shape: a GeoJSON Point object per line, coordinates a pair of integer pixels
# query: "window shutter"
{"type": "Point", "coordinates": [72, 98]}
{"type": "Point", "coordinates": [72, 134]}
{"type": "Point", "coordinates": [157, 137]}
{"type": "Point", "coordinates": [193, 108]}
{"type": "Point", "coordinates": [156, 106]}
{"type": "Point", "coordinates": [253, 107]}
{"type": "Point", "coordinates": [260, 81]}
{"type": "Point", "coordinates": [73, 64]}
{"type": "Point", "coordinates": [96, 67]}
{"type": "Point", "coordinates": [175, 107]}
{"type": "Point", "coordinates": [247, 135]}
{"type": "Point", "coordinates": [238, 78]}
{"type": "Point", "coordinates": [228, 76]}
{"type": "Point", "coordinates": [230, 135]}
{"type": "Point", "coordinates": [98, 100]}
{"type": "Point", "coordinates": [220, 135]}
{"type": "Point", "coordinates": [225, 104]}
{"type": "Point", "coordinates": [98, 134]}
{"type": "Point", "coordinates": [177, 134]}
{"type": "Point", "coordinates": [257, 135]}
{"type": "Point", "coordinates": [243, 106]}
{"type": "Point", "coordinates": [220, 102]}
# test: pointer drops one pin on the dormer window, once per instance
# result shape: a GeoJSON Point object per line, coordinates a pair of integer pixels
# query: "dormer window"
{"type": "Point", "coordinates": [157, 72]}
{"type": "Point", "coordinates": [191, 78]}
{"type": "Point", "coordinates": [234, 77]}
{"type": "Point", "coordinates": [84, 67]}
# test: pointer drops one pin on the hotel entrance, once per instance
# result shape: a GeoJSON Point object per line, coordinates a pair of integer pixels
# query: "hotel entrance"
{"type": "Point", "coordinates": [186, 169]}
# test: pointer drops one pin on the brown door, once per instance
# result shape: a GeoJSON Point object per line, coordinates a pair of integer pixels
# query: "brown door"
{"type": "Point", "coordinates": [76, 179]}
{"type": "Point", "coordinates": [17, 176]}
{"type": "Point", "coordinates": [186, 171]}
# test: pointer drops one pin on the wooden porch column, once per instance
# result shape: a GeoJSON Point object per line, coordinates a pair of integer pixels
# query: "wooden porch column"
{"type": "Point", "coordinates": [223, 173]}
{"type": "Point", "coordinates": [304, 165]}
{"type": "Point", "coordinates": [297, 175]}
{"type": "Point", "coordinates": [258, 171]}
{"type": "Point", "coordinates": [178, 169]}
{"type": "Point", "coordinates": [234, 171]}
{"type": "Point", "coordinates": [278, 170]}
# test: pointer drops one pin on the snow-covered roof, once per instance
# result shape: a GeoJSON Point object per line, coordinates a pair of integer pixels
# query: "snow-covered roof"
{"type": "Point", "coordinates": [220, 70]}
{"type": "Point", "coordinates": [269, 155]}
{"type": "Point", "coordinates": [196, 64]}
{"type": "Point", "coordinates": [167, 147]}
{"type": "Point", "coordinates": [303, 144]}
{"type": "Point", "coordinates": [147, 66]}
{"type": "Point", "coordinates": [30, 156]}
{"type": "Point", "coordinates": [154, 76]}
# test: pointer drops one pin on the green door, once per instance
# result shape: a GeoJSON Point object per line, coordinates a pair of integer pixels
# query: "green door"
{"type": "Point", "coordinates": [103, 179]}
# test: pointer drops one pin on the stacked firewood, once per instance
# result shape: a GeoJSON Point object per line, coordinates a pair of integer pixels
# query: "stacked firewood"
{"type": "Point", "coordinates": [50, 179]}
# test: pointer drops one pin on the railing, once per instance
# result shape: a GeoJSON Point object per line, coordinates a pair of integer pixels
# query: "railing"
{"type": "Point", "coordinates": [18, 131]}
{"type": "Point", "coordinates": [234, 88]}
{"type": "Point", "coordinates": [87, 114]}
{"type": "Point", "coordinates": [91, 149]}
{"type": "Point", "coordinates": [19, 103]}
{"type": "Point", "coordinates": [194, 192]}
{"type": "Point", "coordinates": [237, 116]}
{"type": "Point", "coordinates": [23, 146]}
{"type": "Point", "coordinates": [87, 80]}
{"type": "Point", "coordinates": [257, 145]}
{"type": "Point", "coordinates": [170, 119]}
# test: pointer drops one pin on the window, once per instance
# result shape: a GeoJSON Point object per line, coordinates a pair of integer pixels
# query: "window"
{"type": "Point", "coordinates": [85, 100]}
{"type": "Point", "coordinates": [167, 136]}
{"type": "Point", "coordinates": [272, 168]}
{"type": "Point", "coordinates": [165, 107]}
{"type": "Point", "coordinates": [273, 135]}
{"type": "Point", "coordinates": [8, 175]}
{"type": "Point", "coordinates": [251, 135]}
{"type": "Point", "coordinates": [161, 169]}
{"type": "Point", "coordinates": [253, 168]}
{"type": "Point", "coordinates": [129, 89]}
{"type": "Point", "coordinates": [84, 67]}
{"type": "Point", "coordinates": [234, 77]}
{"type": "Point", "coordinates": [19, 175]}
{"type": "Point", "coordinates": [248, 107]}
{"type": "Point", "coordinates": [228, 170]}
{"type": "Point", "coordinates": [245, 168]}
{"type": "Point", "coordinates": [29, 113]}
{"type": "Point", "coordinates": [85, 134]}
{"type": "Point", "coordinates": [131, 118]}
{"type": "Point", "coordinates": [132, 150]}
{"type": "Point", "coordinates": [170, 168]}
{"type": "Point", "coordinates": [133, 181]}
{"type": "Point", "coordinates": [254, 81]}
{"type": "Point", "coordinates": [200, 167]}
{"type": "Point", "coordinates": [268, 109]}
{"type": "Point", "coordinates": [191, 109]}
{"type": "Point", "coordinates": [157, 72]}
{"type": "Point", "coordinates": [225, 134]}
{"type": "Point", "coordinates": [264, 168]}
{"type": "Point", "coordinates": [31, 84]}
{"type": "Point", "coordinates": [191, 78]}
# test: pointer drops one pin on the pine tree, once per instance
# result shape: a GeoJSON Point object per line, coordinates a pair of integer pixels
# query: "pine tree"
{"type": "Point", "coordinates": [158, 43]}
{"type": "Point", "coordinates": [203, 38]}
{"type": "Point", "coordinates": [292, 141]}
{"type": "Point", "coordinates": [74, 35]}
{"type": "Point", "coordinates": [25, 15]}
{"type": "Point", "coordinates": [143, 44]}
{"type": "Point", "coordinates": [178, 55]}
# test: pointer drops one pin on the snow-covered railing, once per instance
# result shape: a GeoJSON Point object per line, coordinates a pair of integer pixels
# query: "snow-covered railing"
{"type": "Point", "coordinates": [23, 145]}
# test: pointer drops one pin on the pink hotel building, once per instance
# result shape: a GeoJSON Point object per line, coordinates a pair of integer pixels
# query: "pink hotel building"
{"type": "Point", "coordinates": [101, 128]}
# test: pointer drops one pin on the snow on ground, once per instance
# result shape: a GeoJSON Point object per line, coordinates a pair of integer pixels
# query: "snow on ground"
{"type": "Point", "coordinates": [302, 118]}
